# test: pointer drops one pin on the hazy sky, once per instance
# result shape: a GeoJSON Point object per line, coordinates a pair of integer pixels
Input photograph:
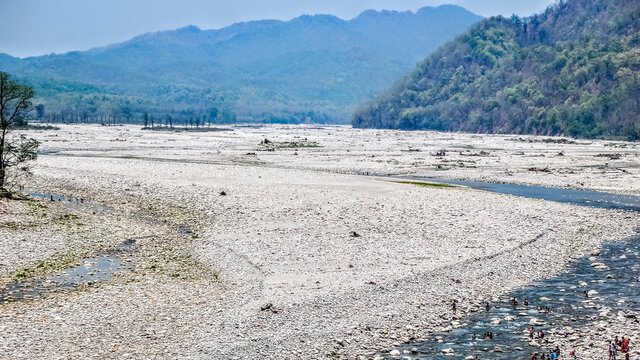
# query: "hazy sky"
{"type": "Point", "coordinates": [36, 27]}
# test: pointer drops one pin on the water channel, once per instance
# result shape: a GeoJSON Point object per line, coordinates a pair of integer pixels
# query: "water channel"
{"type": "Point", "coordinates": [610, 279]}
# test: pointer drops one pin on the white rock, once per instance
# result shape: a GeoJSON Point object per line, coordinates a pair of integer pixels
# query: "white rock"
{"type": "Point", "coordinates": [448, 351]}
{"type": "Point", "coordinates": [536, 322]}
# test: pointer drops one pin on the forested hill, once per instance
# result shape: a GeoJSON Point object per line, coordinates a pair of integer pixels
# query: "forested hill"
{"type": "Point", "coordinates": [315, 68]}
{"type": "Point", "coordinates": [572, 70]}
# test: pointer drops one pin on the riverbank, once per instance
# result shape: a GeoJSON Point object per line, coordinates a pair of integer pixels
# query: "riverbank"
{"type": "Point", "coordinates": [297, 259]}
{"type": "Point", "coordinates": [611, 166]}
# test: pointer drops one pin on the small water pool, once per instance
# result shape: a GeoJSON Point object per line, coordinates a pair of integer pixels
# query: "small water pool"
{"type": "Point", "coordinates": [91, 270]}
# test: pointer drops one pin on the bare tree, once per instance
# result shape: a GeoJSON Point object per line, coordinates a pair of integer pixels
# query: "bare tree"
{"type": "Point", "coordinates": [15, 103]}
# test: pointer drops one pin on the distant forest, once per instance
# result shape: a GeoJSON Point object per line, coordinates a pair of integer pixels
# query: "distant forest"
{"type": "Point", "coordinates": [572, 70]}
{"type": "Point", "coordinates": [69, 102]}
{"type": "Point", "coordinates": [62, 101]}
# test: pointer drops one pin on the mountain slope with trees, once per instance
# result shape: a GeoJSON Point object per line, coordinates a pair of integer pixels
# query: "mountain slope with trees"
{"type": "Point", "coordinates": [309, 68]}
{"type": "Point", "coordinates": [572, 70]}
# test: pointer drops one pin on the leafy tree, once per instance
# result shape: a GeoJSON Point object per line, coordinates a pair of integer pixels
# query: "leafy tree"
{"type": "Point", "coordinates": [15, 153]}
{"type": "Point", "coordinates": [213, 114]}
{"type": "Point", "coordinates": [40, 111]}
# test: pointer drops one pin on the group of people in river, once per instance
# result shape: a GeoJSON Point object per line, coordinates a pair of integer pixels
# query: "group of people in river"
{"type": "Point", "coordinates": [554, 354]}
{"type": "Point", "coordinates": [514, 302]}
{"type": "Point", "coordinates": [621, 345]}
{"type": "Point", "coordinates": [532, 334]}
{"type": "Point", "coordinates": [615, 346]}
{"type": "Point", "coordinates": [485, 336]}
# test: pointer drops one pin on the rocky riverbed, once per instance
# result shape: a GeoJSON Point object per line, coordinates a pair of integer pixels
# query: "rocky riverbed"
{"type": "Point", "coordinates": [247, 252]}
{"type": "Point", "coordinates": [582, 308]}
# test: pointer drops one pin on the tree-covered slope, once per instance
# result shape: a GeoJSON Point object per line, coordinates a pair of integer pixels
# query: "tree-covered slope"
{"type": "Point", "coordinates": [573, 70]}
{"type": "Point", "coordinates": [318, 64]}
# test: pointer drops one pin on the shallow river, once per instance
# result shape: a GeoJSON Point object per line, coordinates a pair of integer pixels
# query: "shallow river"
{"type": "Point", "coordinates": [612, 278]}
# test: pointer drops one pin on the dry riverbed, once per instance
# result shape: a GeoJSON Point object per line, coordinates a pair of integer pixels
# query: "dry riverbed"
{"type": "Point", "coordinates": [248, 248]}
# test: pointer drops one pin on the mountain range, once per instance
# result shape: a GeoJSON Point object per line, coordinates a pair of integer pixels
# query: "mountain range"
{"type": "Point", "coordinates": [571, 70]}
{"type": "Point", "coordinates": [316, 68]}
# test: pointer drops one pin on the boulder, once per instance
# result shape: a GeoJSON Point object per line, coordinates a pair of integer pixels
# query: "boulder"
{"type": "Point", "coordinates": [536, 322]}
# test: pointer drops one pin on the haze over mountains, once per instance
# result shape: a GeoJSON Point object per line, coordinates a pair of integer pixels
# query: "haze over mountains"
{"type": "Point", "coordinates": [573, 70]}
{"type": "Point", "coordinates": [316, 68]}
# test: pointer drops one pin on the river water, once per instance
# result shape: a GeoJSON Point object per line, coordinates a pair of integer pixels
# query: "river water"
{"type": "Point", "coordinates": [92, 270]}
{"type": "Point", "coordinates": [102, 267]}
{"type": "Point", "coordinates": [610, 279]}
{"type": "Point", "coordinates": [575, 197]}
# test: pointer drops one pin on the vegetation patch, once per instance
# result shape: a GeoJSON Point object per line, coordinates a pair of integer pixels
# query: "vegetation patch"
{"type": "Point", "coordinates": [68, 218]}
{"type": "Point", "coordinates": [562, 141]}
{"type": "Point", "coordinates": [17, 226]}
{"type": "Point", "coordinates": [186, 129]}
{"type": "Point", "coordinates": [56, 262]}
{"type": "Point", "coordinates": [426, 184]}
{"type": "Point", "coordinates": [289, 144]}
{"type": "Point", "coordinates": [176, 262]}
{"type": "Point", "coordinates": [37, 127]}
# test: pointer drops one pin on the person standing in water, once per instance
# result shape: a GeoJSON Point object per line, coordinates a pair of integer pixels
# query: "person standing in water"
{"type": "Point", "coordinates": [625, 347]}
